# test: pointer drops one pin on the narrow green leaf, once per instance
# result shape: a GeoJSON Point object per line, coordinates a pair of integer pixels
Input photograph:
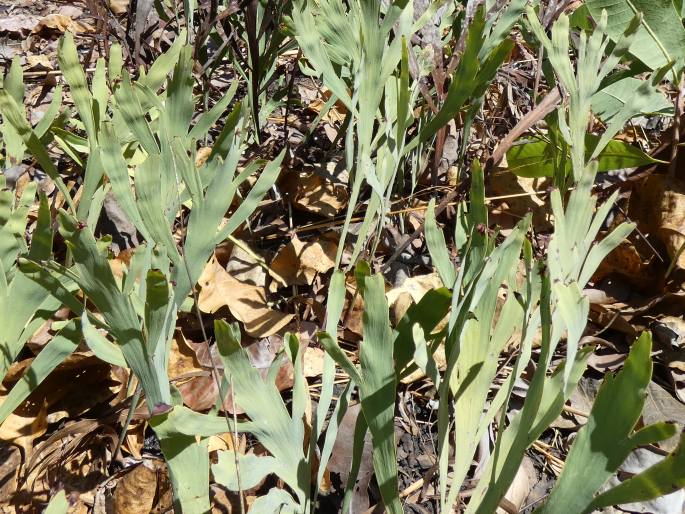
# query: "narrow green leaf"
{"type": "Point", "coordinates": [58, 348]}
{"type": "Point", "coordinates": [665, 477]}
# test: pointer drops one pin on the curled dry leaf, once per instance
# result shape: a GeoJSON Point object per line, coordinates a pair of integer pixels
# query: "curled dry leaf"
{"type": "Point", "coordinates": [246, 302]}
{"type": "Point", "coordinates": [298, 262]}
{"type": "Point", "coordinates": [61, 23]}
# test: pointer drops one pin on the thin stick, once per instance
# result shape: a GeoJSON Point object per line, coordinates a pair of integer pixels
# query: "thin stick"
{"type": "Point", "coordinates": [131, 409]}
{"type": "Point", "coordinates": [675, 136]}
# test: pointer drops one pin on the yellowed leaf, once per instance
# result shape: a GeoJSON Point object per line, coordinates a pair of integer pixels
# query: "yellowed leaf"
{"type": "Point", "coordinates": [202, 155]}
{"type": "Point", "coordinates": [246, 302]}
{"type": "Point", "coordinates": [118, 6]}
{"type": "Point", "coordinates": [61, 23]}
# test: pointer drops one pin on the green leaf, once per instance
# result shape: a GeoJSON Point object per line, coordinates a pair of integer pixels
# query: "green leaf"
{"type": "Point", "coordinates": [58, 504]}
{"type": "Point", "coordinates": [435, 240]}
{"type": "Point", "coordinates": [661, 37]}
{"type": "Point", "coordinates": [13, 114]}
{"type": "Point", "coordinates": [101, 346]}
{"type": "Point", "coordinates": [78, 87]}
{"type": "Point", "coordinates": [605, 441]}
{"type": "Point", "coordinates": [188, 461]}
{"type": "Point", "coordinates": [253, 469]}
{"type": "Point", "coordinates": [262, 402]}
{"type": "Point", "coordinates": [58, 348]}
{"type": "Point", "coordinates": [378, 388]}
{"type": "Point", "coordinates": [665, 477]}
{"type": "Point", "coordinates": [607, 102]}
{"type": "Point", "coordinates": [95, 277]}
{"type": "Point", "coordinates": [537, 159]}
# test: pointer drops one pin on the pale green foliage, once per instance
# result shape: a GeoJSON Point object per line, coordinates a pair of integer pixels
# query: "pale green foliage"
{"type": "Point", "coordinates": [132, 132]}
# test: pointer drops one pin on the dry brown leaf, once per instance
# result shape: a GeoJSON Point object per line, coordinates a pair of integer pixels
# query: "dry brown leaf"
{"type": "Point", "coordinates": [135, 492]}
{"type": "Point", "coordinates": [38, 62]}
{"type": "Point", "coordinates": [202, 156]}
{"type": "Point", "coordinates": [10, 462]}
{"type": "Point", "coordinates": [311, 192]}
{"type": "Point", "coordinates": [21, 429]}
{"type": "Point", "coordinates": [520, 487]}
{"type": "Point", "coordinates": [135, 438]}
{"type": "Point", "coordinates": [118, 6]}
{"type": "Point", "coordinates": [658, 206]}
{"type": "Point", "coordinates": [61, 23]}
{"type": "Point", "coordinates": [312, 365]}
{"type": "Point", "coordinates": [246, 302]}
{"type": "Point", "coordinates": [182, 358]}
{"type": "Point", "coordinates": [341, 458]}
{"type": "Point", "coordinates": [298, 262]}
{"type": "Point", "coordinates": [337, 112]}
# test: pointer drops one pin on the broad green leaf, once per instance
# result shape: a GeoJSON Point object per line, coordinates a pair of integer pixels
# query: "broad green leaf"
{"type": "Point", "coordinates": [207, 120]}
{"type": "Point", "coordinates": [277, 500]}
{"type": "Point", "coordinates": [524, 429]}
{"type": "Point", "coordinates": [163, 65]}
{"type": "Point", "coordinates": [128, 104]}
{"type": "Point", "coordinates": [261, 401]}
{"type": "Point", "coordinates": [188, 461]}
{"type": "Point", "coordinates": [51, 114]}
{"type": "Point", "coordinates": [78, 87]}
{"type": "Point", "coordinates": [13, 114]}
{"type": "Point", "coordinates": [538, 159]}
{"type": "Point", "coordinates": [607, 102]}
{"type": "Point", "coordinates": [334, 308]}
{"type": "Point", "coordinates": [95, 277]}
{"type": "Point", "coordinates": [102, 348]}
{"type": "Point", "coordinates": [661, 37]}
